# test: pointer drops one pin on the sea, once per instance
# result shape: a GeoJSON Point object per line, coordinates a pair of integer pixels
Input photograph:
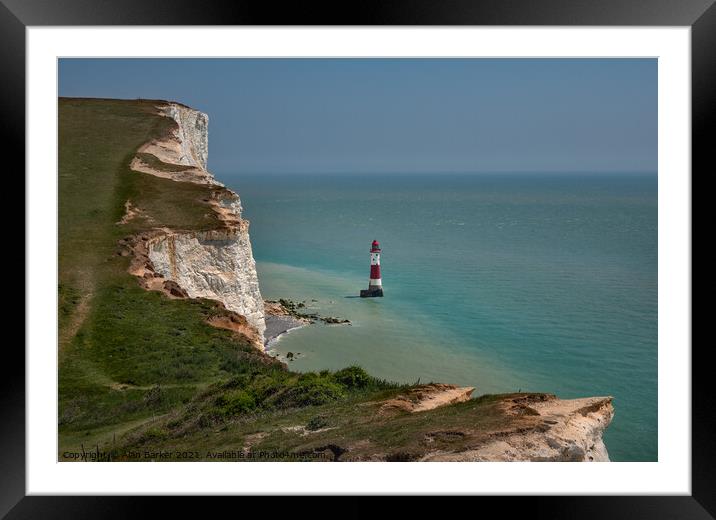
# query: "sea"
{"type": "Point", "coordinates": [539, 282]}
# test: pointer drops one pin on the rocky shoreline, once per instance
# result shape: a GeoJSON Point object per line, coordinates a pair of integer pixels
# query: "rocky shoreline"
{"type": "Point", "coordinates": [277, 326]}
{"type": "Point", "coordinates": [283, 316]}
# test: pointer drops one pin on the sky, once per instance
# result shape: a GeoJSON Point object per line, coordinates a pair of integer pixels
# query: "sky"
{"type": "Point", "coordinates": [400, 115]}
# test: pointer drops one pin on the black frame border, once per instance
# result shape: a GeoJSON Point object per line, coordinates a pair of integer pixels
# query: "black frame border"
{"type": "Point", "coordinates": [700, 15]}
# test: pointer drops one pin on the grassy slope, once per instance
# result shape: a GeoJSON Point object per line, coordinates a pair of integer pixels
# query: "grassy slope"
{"type": "Point", "coordinates": [348, 428]}
{"type": "Point", "coordinates": [111, 331]}
{"type": "Point", "coordinates": [140, 371]}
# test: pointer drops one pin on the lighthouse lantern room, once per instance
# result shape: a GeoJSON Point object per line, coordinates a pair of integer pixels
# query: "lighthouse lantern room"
{"type": "Point", "coordinates": [375, 285]}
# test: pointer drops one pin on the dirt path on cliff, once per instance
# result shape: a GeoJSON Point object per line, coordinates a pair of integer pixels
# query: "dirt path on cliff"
{"type": "Point", "coordinates": [425, 397]}
{"type": "Point", "coordinates": [68, 332]}
{"type": "Point", "coordinates": [444, 397]}
{"type": "Point", "coordinates": [120, 387]}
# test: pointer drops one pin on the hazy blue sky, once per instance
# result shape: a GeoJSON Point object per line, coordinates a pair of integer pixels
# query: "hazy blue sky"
{"type": "Point", "coordinates": [385, 115]}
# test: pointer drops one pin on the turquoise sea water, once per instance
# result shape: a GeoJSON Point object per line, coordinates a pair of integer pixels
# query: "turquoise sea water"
{"type": "Point", "coordinates": [505, 282]}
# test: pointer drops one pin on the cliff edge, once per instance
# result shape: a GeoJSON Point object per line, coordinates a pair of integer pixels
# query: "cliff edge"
{"type": "Point", "coordinates": [216, 264]}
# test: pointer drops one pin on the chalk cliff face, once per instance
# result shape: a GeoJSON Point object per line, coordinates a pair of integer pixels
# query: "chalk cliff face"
{"type": "Point", "coordinates": [216, 264]}
{"type": "Point", "coordinates": [192, 134]}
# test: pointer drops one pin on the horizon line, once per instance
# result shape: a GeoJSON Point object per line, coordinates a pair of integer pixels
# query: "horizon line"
{"type": "Point", "coordinates": [441, 172]}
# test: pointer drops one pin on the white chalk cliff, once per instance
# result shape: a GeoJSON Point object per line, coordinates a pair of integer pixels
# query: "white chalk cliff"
{"type": "Point", "coordinates": [215, 264]}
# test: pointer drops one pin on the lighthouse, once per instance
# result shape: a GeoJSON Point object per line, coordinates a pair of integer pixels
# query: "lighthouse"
{"type": "Point", "coordinates": [375, 286]}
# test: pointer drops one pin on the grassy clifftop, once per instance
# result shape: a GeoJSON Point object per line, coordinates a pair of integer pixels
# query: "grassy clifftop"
{"type": "Point", "coordinates": [125, 354]}
{"type": "Point", "coordinates": [145, 377]}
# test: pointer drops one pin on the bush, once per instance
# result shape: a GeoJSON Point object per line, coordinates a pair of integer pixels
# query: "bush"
{"type": "Point", "coordinates": [240, 381]}
{"type": "Point", "coordinates": [235, 402]}
{"type": "Point", "coordinates": [310, 389]}
{"type": "Point", "coordinates": [281, 389]}
{"type": "Point", "coordinates": [352, 377]}
{"type": "Point", "coordinates": [316, 423]}
{"type": "Point", "coordinates": [153, 434]}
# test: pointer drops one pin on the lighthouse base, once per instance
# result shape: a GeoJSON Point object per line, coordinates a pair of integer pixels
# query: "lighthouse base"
{"type": "Point", "coordinates": [372, 292]}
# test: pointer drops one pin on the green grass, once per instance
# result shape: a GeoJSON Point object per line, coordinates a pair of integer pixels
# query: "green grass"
{"type": "Point", "coordinates": [352, 426]}
{"type": "Point", "coordinates": [177, 205]}
{"type": "Point", "coordinates": [156, 164]}
{"type": "Point", "coordinates": [112, 331]}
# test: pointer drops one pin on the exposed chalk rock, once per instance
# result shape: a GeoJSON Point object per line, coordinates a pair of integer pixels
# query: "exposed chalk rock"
{"type": "Point", "coordinates": [192, 134]}
{"type": "Point", "coordinates": [218, 265]}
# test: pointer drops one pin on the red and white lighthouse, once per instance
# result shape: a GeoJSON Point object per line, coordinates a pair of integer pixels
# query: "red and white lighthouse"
{"type": "Point", "coordinates": [375, 285]}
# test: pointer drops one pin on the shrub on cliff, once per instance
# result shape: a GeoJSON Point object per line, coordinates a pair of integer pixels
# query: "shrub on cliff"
{"type": "Point", "coordinates": [352, 377]}
{"type": "Point", "coordinates": [310, 389]}
{"type": "Point", "coordinates": [152, 435]}
{"type": "Point", "coordinates": [316, 423]}
{"type": "Point", "coordinates": [235, 402]}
